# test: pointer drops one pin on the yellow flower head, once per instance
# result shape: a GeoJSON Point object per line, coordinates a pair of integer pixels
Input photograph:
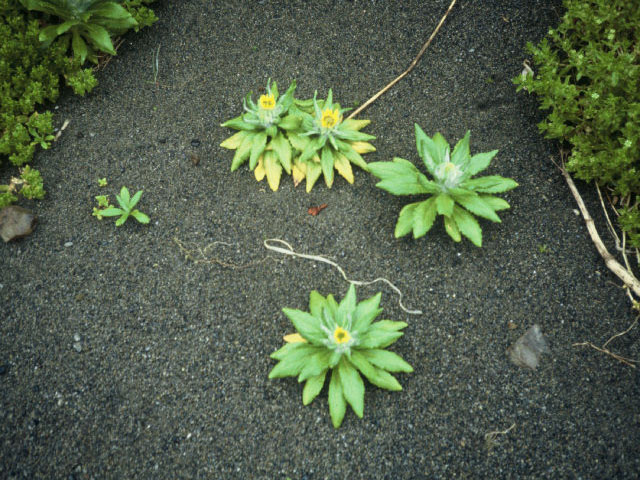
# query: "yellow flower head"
{"type": "Point", "coordinates": [267, 102]}
{"type": "Point", "coordinates": [340, 335]}
{"type": "Point", "coordinates": [330, 118]}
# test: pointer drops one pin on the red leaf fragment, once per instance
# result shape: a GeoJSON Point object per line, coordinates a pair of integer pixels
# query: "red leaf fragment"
{"type": "Point", "coordinates": [316, 210]}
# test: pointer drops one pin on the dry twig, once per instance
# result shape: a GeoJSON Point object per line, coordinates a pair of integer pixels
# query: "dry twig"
{"type": "Point", "coordinates": [605, 350]}
{"type": "Point", "coordinates": [490, 438]}
{"type": "Point", "coordinates": [622, 273]}
{"type": "Point", "coordinates": [406, 72]}
{"type": "Point", "coordinates": [200, 255]}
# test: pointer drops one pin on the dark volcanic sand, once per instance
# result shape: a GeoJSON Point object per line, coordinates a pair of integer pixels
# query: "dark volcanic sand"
{"type": "Point", "coordinates": [168, 379]}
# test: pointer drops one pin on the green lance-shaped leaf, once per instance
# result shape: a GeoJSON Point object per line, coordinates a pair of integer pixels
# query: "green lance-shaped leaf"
{"type": "Point", "coordinates": [257, 147]}
{"type": "Point", "coordinates": [326, 161]}
{"type": "Point", "coordinates": [476, 205]}
{"type": "Point", "coordinates": [461, 155]}
{"type": "Point", "coordinates": [352, 386]}
{"type": "Point", "coordinates": [377, 376]}
{"type": "Point", "coordinates": [366, 312]}
{"type": "Point", "coordinates": [480, 161]}
{"type": "Point", "coordinates": [294, 361]}
{"type": "Point", "coordinates": [306, 324]}
{"type": "Point", "coordinates": [281, 146]}
{"type": "Point", "coordinates": [424, 216]}
{"type": "Point", "coordinates": [444, 204]}
{"type": "Point", "coordinates": [468, 225]}
{"type": "Point", "coordinates": [405, 220]}
{"type": "Point", "coordinates": [243, 151]}
{"type": "Point", "coordinates": [337, 402]}
{"type": "Point", "coordinates": [312, 388]}
{"type": "Point", "coordinates": [399, 177]}
{"type": "Point", "coordinates": [238, 123]}
{"type": "Point", "coordinates": [100, 38]}
{"type": "Point", "coordinates": [141, 217]}
{"type": "Point", "coordinates": [316, 303]}
{"type": "Point", "coordinates": [496, 203]}
{"type": "Point", "coordinates": [452, 229]}
{"type": "Point", "coordinates": [316, 364]}
{"type": "Point", "coordinates": [386, 360]}
{"type": "Point", "coordinates": [355, 158]}
{"type": "Point", "coordinates": [377, 336]}
{"type": "Point", "coordinates": [490, 184]}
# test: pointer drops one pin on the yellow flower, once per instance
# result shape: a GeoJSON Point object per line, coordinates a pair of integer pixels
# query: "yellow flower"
{"type": "Point", "coordinates": [330, 118]}
{"type": "Point", "coordinates": [340, 335]}
{"type": "Point", "coordinates": [267, 102]}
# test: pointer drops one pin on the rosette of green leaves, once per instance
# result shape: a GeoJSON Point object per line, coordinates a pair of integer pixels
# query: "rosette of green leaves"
{"type": "Point", "coordinates": [262, 136]}
{"type": "Point", "coordinates": [326, 141]}
{"type": "Point", "coordinates": [89, 23]}
{"type": "Point", "coordinates": [342, 338]}
{"type": "Point", "coordinates": [127, 207]}
{"type": "Point", "coordinates": [454, 194]}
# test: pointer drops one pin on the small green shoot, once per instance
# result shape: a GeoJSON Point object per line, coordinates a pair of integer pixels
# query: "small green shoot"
{"type": "Point", "coordinates": [127, 204]}
{"type": "Point", "coordinates": [102, 182]}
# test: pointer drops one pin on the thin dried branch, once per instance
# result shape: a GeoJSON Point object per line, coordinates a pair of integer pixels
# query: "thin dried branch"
{"type": "Point", "coordinates": [623, 274]}
{"type": "Point", "coordinates": [406, 72]}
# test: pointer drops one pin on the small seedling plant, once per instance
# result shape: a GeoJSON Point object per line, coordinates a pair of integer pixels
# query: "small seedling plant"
{"type": "Point", "coordinates": [127, 204]}
{"type": "Point", "coordinates": [454, 194]}
{"type": "Point", "coordinates": [344, 339]}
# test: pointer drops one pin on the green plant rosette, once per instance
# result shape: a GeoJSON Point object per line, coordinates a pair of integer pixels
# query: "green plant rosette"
{"type": "Point", "coordinates": [344, 339]}
{"type": "Point", "coordinates": [262, 136]}
{"type": "Point", "coordinates": [326, 142]}
{"type": "Point", "coordinates": [89, 23]}
{"type": "Point", "coordinates": [127, 204]}
{"type": "Point", "coordinates": [454, 194]}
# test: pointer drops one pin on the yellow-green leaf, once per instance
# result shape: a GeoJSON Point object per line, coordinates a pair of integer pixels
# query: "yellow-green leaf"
{"type": "Point", "coordinates": [343, 166]}
{"type": "Point", "coordinates": [294, 338]}
{"type": "Point", "coordinates": [234, 140]}
{"type": "Point", "coordinates": [353, 124]}
{"type": "Point", "coordinates": [259, 171]}
{"type": "Point", "coordinates": [299, 172]}
{"type": "Point", "coordinates": [363, 147]}
{"type": "Point", "coordinates": [314, 170]}
{"type": "Point", "coordinates": [274, 170]}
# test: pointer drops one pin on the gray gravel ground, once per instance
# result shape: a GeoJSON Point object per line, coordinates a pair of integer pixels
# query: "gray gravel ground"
{"type": "Point", "coordinates": [120, 359]}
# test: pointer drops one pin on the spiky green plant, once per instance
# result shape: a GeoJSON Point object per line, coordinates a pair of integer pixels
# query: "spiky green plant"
{"type": "Point", "coordinates": [262, 134]}
{"type": "Point", "coordinates": [342, 338]}
{"type": "Point", "coordinates": [454, 194]}
{"type": "Point", "coordinates": [326, 141]}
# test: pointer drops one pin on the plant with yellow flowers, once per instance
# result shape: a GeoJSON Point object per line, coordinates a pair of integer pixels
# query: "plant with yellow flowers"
{"type": "Point", "coordinates": [305, 138]}
{"type": "Point", "coordinates": [262, 134]}
{"type": "Point", "coordinates": [344, 339]}
{"type": "Point", "coordinates": [326, 141]}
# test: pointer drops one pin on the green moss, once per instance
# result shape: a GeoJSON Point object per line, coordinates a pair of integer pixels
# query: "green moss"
{"type": "Point", "coordinates": [30, 74]}
{"type": "Point", "coordinates": [587, 74]}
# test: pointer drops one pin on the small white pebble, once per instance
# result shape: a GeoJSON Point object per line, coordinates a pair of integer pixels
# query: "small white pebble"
{"type": "Point", "coordinates": [68, 244]}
